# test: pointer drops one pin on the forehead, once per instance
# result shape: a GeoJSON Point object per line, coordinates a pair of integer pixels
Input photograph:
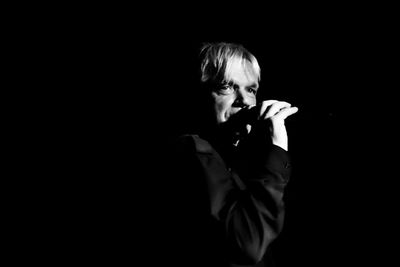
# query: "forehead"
{"type": "Point", "coordinates": [241, 70]}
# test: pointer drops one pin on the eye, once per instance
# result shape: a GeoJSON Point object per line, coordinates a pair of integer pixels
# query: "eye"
{"type": "Point", "coordinates": [252, 90]}
{"type": "Point", "coordinates": [226, 89]}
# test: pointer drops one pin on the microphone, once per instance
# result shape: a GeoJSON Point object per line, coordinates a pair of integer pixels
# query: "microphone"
{"type": "Point", "coordinates": [250, 115]}
{"type": "Point", "coordinates": [308, 116]}
{"type": "Point", "coordinates": [246, 116]}
{"type": "Point", "coordinates": [236, 126]}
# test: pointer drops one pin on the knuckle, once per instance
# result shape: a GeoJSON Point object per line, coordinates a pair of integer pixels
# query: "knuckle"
{"type": "Point", "coordinates": [275, 119]}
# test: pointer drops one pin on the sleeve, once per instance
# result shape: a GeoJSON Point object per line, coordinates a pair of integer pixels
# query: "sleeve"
{"type": "Point", "coordinates": [247, 200]}
{"type": "Point", "coordinates": [253, 214]}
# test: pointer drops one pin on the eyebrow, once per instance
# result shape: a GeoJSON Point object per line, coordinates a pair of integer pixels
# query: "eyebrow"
{"type": "Point", "coordinates": [231, 82]}
{"type": "Point", "coordinates": [254, 85]}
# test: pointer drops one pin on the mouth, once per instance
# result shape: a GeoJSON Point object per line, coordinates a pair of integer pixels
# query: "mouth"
{"type": "Point", "coordinates": [237, 114]}
{"type": "Point", "coordinates": [234, 112]}
{"type": "Point", "coordinates": [233, 116]}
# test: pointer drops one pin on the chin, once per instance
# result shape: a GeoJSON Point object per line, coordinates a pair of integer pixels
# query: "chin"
{"type": "Point", "coordinates": [224, 119]}
{"type": "Point", "coordinates": [220, 122]}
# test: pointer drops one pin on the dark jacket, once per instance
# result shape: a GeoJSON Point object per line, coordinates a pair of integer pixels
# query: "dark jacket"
{"type": "Point", "coordinates": [227, 204]}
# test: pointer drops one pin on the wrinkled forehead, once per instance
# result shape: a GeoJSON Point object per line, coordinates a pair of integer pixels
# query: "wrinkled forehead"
{"type": "Point", "coordinates": [243, 67]}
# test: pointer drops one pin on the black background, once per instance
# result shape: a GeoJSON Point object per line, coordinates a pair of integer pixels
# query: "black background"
{"type": "Point", "coordinates": [118, 92]}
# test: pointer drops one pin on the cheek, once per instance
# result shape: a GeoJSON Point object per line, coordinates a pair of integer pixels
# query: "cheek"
{"type": "Point", "coordinates": [223, 103]}
{"type": "Point", "coordinates": [253, 101]}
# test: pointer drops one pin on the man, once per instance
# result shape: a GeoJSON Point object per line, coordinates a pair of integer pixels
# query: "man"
{"type": "Point", "coordinates": [230, 175]}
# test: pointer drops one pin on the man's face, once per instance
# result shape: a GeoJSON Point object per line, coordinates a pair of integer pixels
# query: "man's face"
{"type": "Point", "coordinates": [237, 92]}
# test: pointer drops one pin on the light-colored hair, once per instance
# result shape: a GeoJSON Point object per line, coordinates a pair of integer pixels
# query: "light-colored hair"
{"type": "Point", "coordinates": [216, 59]}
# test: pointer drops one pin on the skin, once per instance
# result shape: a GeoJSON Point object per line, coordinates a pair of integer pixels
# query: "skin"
{"type": "Point", "coordinates": [239, 92]}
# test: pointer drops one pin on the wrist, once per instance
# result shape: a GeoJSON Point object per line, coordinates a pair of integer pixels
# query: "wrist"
{"type": "Point", "coordinates": [282, 145]}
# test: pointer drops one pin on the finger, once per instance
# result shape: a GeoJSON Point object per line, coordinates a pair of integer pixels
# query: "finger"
{"type": "Point", "coordinates": [275, 108]}
{"type": "Point", "coordinates": [285, 112]}
{"type": "Point", "coordinates": [264, 106]}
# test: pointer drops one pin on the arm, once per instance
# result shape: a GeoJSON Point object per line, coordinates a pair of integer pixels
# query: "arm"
{"type": "Point", "coordinates": [255, 216]}
{"type": "Point", "coordinates": [248, 206]}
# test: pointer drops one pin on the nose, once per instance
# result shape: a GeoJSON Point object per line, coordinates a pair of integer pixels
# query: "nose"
{"type": "Point", "coordinates": [242, 99]}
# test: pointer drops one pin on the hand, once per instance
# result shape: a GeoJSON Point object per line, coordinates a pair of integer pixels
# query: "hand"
{"type": "Point", "coordinates": [276, 112]}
